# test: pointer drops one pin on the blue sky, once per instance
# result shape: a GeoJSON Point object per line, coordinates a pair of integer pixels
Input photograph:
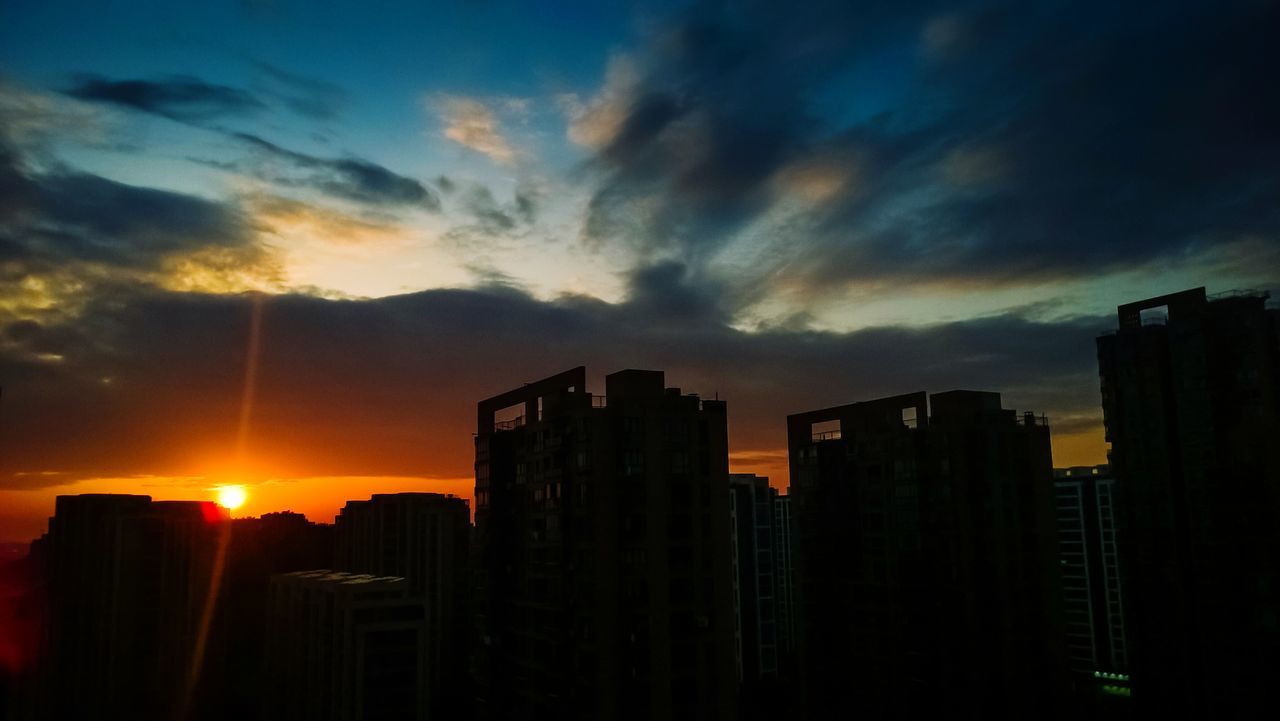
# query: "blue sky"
{"type": "Point", "coordinates": [791, 185]}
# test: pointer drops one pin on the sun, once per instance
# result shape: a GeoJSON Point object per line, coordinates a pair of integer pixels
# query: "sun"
{"type": "Point", "coordinates": [231, 497]}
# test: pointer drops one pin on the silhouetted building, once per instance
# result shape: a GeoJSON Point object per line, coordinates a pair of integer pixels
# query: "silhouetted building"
{"type": "Point", "coordinates": [344, 646]}
{"type": "Point", "coordinates": [785, 591]}
{"type": "Point", "coordinates": [22, 614]}
{"type": "Point", "coordinates": [926, 559]}
{"type": "Point", "coordinates": [128, 583]}
{"type": "Point", "coordinates": [758, 582]}
{"type": "Point", "coordinates": [1092, 594]}
{"type": "Point", "coordinates": [232, 683]}
{"type": "Point", "coordinates": [1191, 401]}
{"type": "Point", "coordinates": [423, 537]}
{"type": "Point", "coordinates": [602, 533]}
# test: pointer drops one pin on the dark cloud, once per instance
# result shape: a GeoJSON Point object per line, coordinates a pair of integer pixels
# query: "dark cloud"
{"type": "Point", "coordinates": [348, 178]}
{"type": "Point", "coordinates": [178, 97]}
{"type": "Point", "coordinates": [491, 217]}
{"type": "Point", "coordinates": [151, 380]}
{"type": "Point", "coordinates": [481, 204]}
{"type": "Point", "coordinates": [49, 219]}
{"type": "Point", "coordinates": [998, 142]}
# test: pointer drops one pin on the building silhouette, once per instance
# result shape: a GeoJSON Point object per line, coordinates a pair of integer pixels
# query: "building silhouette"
{"type": "Point", "coordinates": [345, 646]}
{"type": "Point", "coordinates": [128, 580]}
{"type": "Point", "coordinates": [1092, 593]}
{"type": "Point", "coordinates": [1191, 400]}
{"type": "Point", "coordinates": [925, 559]}
{"type": "Point", "coordinates": [760, 580]}
{"type": "Point", "coordinates": [784, 594]}
{"type": "Point", "coordinates": [232, 681]}
{"type": "Point", "coordinates": [423, 537]}
{"type": "Point", "coordinates": [602, 547]}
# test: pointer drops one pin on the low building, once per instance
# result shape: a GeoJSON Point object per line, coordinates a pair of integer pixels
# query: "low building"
{"type": "Point", "coordinates": [345, 646]}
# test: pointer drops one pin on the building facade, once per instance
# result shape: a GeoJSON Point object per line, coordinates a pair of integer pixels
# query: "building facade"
{"type": "Point", "coordinates": [129, 582]}
{"type": "Point", "coordinates": [345, 646]}
{"type": "Point", "coordinates": [1191, 402]}
{"type": "Point", "coordinates": [602, 547]}
{"type": "Point", "coordinates": [925, 559]}
{"type": "Point", "coordinates": [425, 538]}
{"type": "Point", "coordinates": [760, 582]}
{"type": "Point", "coordinates": [1092, 593]}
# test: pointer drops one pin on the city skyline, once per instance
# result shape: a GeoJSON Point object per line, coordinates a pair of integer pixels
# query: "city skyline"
{"type": "Point", "coordinates": [286, 245]}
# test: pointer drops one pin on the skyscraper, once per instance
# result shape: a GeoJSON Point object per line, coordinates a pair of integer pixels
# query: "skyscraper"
{"type": "Point", "coordinates": [1093, 596]}
{"type": "Point", "coordinates": [345, 646]}
{"type": "Point", "coordinates": [758, 583]}
{"type": "Point", "coordinates": [423, 537]}
{"type": "Point", "coordinates": [129, 580]}
{"type": "Point", "coordinates": [603, 552]}
{"type": "Point", "coordinates": [232, 682]}
{"type": "Point", "coordinates": [1191, 402]}
{"type": "Point", "coordinates": [925, 559]}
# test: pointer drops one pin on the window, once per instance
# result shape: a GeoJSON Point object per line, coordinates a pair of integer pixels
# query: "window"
{"type": "Point", "coordinates": [679, 462]}
{"type": "Point", "coordinates": [824, 430]}
{"type": "Point", "coordinates": [632, 463]}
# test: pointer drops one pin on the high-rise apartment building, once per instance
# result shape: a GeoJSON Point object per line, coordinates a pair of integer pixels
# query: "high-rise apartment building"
{"type": "Point", "coordinates": [760, 581]}
{"type": "Point", "coordinates": [232, 682]}
{"type": "Point", "coordinates": [603, 552]}
{"type": "Point", "coordinates": [785, 592]}
{"type": "Point", "coordinates": [345, 646]}
{"type": "Point", "coordinates": [1092, 594]}
{"type": "Point", "coordinates": [423, 537]}
{"type": "Point", "coordinates": [1191, 401]}
{"type": "Point", "coordinates": [925, 559]}
{"type": "Point", "coordinates": [128, 582]}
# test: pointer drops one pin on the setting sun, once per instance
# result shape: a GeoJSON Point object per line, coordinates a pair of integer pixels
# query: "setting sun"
{"type": "Point", "coordinates": [231, 497]}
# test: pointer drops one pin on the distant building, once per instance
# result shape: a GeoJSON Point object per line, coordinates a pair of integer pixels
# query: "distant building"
{"type": "Point", "coordinates": [423, 537]}
{"type": "Point", "coordinates": [128, 582]}
{"type": "Point", "coordinates": [1191, 401]}
{"type": "Point", "coordinates": [602, 532]}
{"type": "Point", "coordinates": [345, 646]}
{"type": "Point", "coordinates": [760, 578]}
{"type": "Point", "coordinates": [925, 559]}
{"type": "Point", "coordinates": [1093, 598]}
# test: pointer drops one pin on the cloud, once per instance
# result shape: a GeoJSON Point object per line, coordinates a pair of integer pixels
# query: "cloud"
{"type": "Point", "coordinates": [285, 217]}
{"type": "Point", "coordinates": [68, 238]}
{"type": "Point", "coordinates": [473, 124]}
{"type": "Point", "coordinates": [30, 120]}
{"type": "Point", "coordinates": [494, 218]}
{"type": "Point", "coordinates": [596, 122]}
{"type": "Point", "coordinates": [178, 97]}
{"type": "Point", "coordinates": [59, 217]}
{"type": "Point", "coordinates": [849, 145]}
{"type": "Point", "coordinates": [342, 391]}
{"type": "Point", "coordinates": [349, 178]}
{"type": "Point", "coordinates": [310, 97]}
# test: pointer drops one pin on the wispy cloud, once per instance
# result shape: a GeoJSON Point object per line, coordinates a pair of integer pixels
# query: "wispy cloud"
{"type": "Point", "coordinates": [1018, 146]}
{"type": "Point", "coordinates": [473, 124]}
{"type": "Point", "coordinates": [178, 97]}
{"type": "Point", "coordinates": [311, 97]}
{"type": "Point", "coordinates": [595, 122]}
{"type": "Point", "coordinates": [348, 178]}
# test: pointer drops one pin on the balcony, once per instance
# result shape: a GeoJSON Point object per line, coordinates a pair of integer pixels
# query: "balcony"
{"type": "Point", "coordinates": [509, 425]}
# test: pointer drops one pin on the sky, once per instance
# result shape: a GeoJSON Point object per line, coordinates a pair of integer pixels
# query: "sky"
{"type": "Point", "coordinates": [290, 245]}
